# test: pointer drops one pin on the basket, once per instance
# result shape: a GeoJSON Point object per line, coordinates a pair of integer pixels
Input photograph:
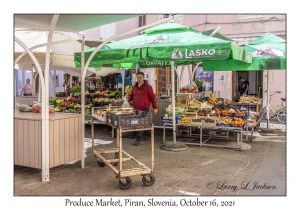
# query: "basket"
{"type": "Point", "coordinates": [136, 119]}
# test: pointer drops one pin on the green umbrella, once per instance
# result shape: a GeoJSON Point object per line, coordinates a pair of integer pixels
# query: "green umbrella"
{"type": "Point", "coordinates": [162, 44]}
{"type": "Point", "coordinates": [268, 52]}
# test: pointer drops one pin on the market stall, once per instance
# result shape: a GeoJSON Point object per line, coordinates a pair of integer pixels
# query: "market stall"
{"type": "Point", "coordinates": [163, 46]}
{"type": "Point", "coordinates": [204, 111]}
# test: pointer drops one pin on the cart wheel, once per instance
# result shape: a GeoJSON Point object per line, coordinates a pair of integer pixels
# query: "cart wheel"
{"type": "Point", "coordinates": [116, 157]}
{"type": "Point", "coordinates": [149, 182]}
{"type": "Point", "coordinates": [101, 164]}
{"type": "Point", "coordinates": [125, 186]}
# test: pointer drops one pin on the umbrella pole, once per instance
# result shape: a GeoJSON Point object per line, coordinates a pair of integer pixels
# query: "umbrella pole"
{"type": "Point", "coordinates": [173, 101]}
{"type": "Point", "coordinates": [123, 81]}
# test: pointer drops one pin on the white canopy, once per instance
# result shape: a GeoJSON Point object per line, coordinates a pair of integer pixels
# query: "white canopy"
{"type": "Point", "coordinates": [68, 22]}
{"type": "Point", "coordinates": [62, 54]}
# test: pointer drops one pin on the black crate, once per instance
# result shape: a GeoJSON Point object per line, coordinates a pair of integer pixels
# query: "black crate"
{"type": "Point", "coordinates": [130, 120]}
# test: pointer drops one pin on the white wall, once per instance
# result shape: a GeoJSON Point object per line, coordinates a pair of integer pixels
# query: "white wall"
{"type": "Point", "coordinates": [224, 87]}
{"type": "Point", "coordinates": [60, 88]}
{"type": "Point", "coordinates": [277, 82]}
{"type": "Point", "coordinates": [253, 84]}
{"type": "Point", "coordinates": [184, 71]}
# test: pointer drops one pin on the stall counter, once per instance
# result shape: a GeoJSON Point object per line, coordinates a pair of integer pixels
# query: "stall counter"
{"type": "Point", "coordinates": [65, 143]}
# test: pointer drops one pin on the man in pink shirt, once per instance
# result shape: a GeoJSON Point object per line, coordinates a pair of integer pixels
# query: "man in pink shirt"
{"type": "Point", "coordinates": [27, 88]}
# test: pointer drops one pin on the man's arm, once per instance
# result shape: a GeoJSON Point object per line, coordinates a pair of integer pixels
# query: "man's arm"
{"type": "Point", "coordinates": [247, 86]}
{"type": "Point", "coordinates": [152, 98]}
{"type": "Point", "coordinates": [22, 90]}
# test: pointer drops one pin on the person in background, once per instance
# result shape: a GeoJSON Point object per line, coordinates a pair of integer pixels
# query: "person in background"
{"type": "Point", "coordinates": [243, 87]}
{"type": "Point", "coordinates": [141, 97]}
{"type": "Point", "coordinates": [27, 88]}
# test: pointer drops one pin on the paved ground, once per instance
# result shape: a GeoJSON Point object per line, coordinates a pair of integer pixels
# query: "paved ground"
{"type": "Point", "coordinates": [198, 171]}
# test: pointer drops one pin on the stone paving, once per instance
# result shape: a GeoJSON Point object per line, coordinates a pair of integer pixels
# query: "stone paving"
{"type": "Point", "coordinates": [198, 171]}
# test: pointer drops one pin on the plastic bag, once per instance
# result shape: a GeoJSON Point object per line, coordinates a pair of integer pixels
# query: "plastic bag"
{"type": "Point", "coordinates": [37, 108]}
{"type": "Point", "coordinates": [25, 108]}
{"type": "Point", "coordinates": [126, 104]}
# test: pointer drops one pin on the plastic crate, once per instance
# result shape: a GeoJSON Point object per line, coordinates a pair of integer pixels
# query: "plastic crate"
{"type": "Point", "coordinates": [167, 120]}
{"type": "Point", "coordinates": [223, 125]}
{"type": "Point", "coordinates": [141, 118]}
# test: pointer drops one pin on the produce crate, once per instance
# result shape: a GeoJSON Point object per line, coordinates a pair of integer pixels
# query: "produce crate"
{"type": "Point", "coordinates": [190, 114]}
{"type": "Point", "coordinates": [227, 113]}
{"type": "Point", "coordinates": [178, 111]}
{"type": "Point", "coordinates": [241, 112]}
{"type": "Point", "coordinates": [197, 120]}
{"type": "Point", "coordinates": [212, 123]}
{"type": "Point", "coordinates": [224, 123]}
{"type": "Point", "coordinates": [141, 118]}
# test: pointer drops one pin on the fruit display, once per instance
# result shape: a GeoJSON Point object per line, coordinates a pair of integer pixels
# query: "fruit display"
{"type": "Point", "coordinates": [218, 111]}
{"type": "Point", "coordinates": [241, 113]}
{"type": "Point", "coordinates": [188, 89]}
{"type": "Point", "coordinates": [250, 99]}
{"type": "Point", "coordinates": [100, 93]}
{"type": "Point", "coordinates": [203, 112]}
{"type": "Point", "coordinates": [237, 122]}
{"type": "Point", "coordinates": [128, 89]}
{"type": "Point", "coordinates": [227, 113]}
{"type": "Point", "coordinates": [194, 104]}
{"type": "Point", "coordinates": [197, 119]}
{"type": "Point", "coordinates": [225, 121]}
{"type": "Point", "coordinates": [117, 102]}
{"type": "Point", "coordinates": [37, 108]}
{"type": "Point", "coordinates": [208, 120]}
{"type": "Point", "coordinates": [185, 120]}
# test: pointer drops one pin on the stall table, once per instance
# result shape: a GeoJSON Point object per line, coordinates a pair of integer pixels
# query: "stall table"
{"type": "Point", "coordinates": [239, 130]}
{"type": "Point", "coordinates": [65, 131]}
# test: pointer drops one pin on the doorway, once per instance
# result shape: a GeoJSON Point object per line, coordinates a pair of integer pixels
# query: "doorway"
{"type": "Point", "coordinates": [255, 81]}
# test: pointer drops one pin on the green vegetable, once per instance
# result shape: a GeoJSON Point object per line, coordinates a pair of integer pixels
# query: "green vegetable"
{"type": "Point", "coordinates": [199, 83]}
{"type": "Point", "coordinates": [25, 108]}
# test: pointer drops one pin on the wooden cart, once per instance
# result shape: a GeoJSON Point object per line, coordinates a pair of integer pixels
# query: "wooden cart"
{"type": "Point", "coordinates": [120, 156]}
